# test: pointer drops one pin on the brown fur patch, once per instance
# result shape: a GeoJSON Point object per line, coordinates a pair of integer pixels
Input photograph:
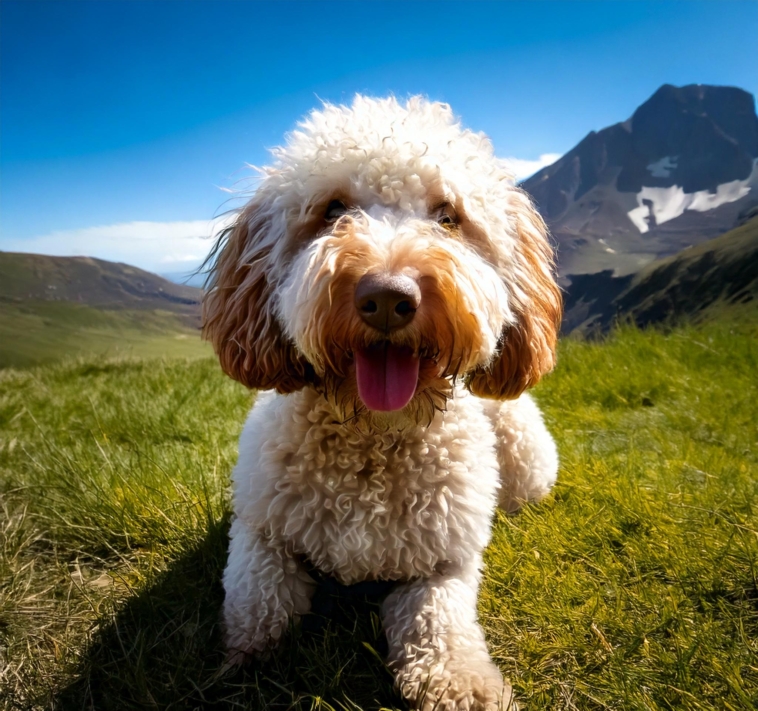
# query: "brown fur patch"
{"type": "Point", "coordinates": [237, 318]}
{"type": "Point", "coordinates": [527, 349]}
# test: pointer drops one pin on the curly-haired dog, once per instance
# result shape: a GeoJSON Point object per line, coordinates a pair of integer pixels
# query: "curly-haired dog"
{"type": "Point", "coordinates": [383, 279]}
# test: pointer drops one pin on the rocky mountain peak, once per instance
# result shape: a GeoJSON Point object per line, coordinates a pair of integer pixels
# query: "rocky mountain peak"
{"type": "Point", "coordinates": [677, 172]}
{"type": "Point", "coordinates": [695, 136]}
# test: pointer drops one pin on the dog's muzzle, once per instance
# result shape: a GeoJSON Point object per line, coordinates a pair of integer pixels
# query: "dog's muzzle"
{"type": "Point", "coordinates": [386, 374]}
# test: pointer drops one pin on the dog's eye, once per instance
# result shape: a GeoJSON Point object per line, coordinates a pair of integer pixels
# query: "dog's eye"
{"type": "Point", "coordinates": [334, 210]}
{"type": "Point", "coordinates": [446, 216]}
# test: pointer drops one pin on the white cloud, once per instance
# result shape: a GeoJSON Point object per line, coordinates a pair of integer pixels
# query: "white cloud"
{"type": "Point", "coordinates": [155, 246]}
{"type": "Point", "coordinates": [522, 168]}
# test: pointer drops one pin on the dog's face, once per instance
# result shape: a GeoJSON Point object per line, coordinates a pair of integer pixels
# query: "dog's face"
{"type": "Point", "coordinates": [385, 254]}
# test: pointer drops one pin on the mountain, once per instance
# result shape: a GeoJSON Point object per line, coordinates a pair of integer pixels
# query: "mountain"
{"type": "Point", "coordinates": [680, 171]}
{"type": "Point", "coordinates": [57, 306]}
{"type": "Point", "coordinates": [94, 282]}
{"type": "Point", "coordinates": [699, 283]}
{"type": "Point", "coordinates": [187, 278]}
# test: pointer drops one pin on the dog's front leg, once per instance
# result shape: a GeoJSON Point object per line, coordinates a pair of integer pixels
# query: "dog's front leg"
{"type": "Point", "coordinates": [526, 452]}
{"type": "Point", "coordinates": [437, 649]}
{"type": "Point", "coordinates": [265, 587]}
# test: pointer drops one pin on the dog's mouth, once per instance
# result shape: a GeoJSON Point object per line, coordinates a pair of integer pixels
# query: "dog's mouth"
{"type": "Point", "coordinates": [387, 376]}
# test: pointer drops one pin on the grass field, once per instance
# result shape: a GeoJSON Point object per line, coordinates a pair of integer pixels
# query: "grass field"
{"type": "Point", "coordinates": [634, 586]}
{"type": "Point", "coordinates": [37, 331]}
{"type": "Point", "coordinates": [58, 307]}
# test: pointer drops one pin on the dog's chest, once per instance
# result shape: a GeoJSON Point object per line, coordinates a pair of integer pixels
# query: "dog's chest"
{"type": "Point", "coordinates": [382, 505]}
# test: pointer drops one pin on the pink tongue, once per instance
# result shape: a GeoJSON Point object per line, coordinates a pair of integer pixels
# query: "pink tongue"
{"type": "Point", "coordinates": [387, 376]}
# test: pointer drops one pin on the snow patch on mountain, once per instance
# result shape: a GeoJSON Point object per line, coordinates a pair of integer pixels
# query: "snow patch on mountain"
{"type": "Point", "coordinates": [658, 205]}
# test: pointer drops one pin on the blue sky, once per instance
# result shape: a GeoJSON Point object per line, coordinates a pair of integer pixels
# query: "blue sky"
{"type": "Point", "coordinates": [121, 122]}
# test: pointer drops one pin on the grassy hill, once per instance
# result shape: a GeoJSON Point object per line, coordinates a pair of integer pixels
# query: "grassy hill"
{"type": "Point", "coordinates": [634, 586]}
{"type": "Point", "coordinates": [56, 306]}
{"type": "Point", "coordinates": [709, 281]}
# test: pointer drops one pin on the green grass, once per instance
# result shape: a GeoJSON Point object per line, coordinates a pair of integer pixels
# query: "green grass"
{"type": "Point", "coordinates": [634, 586]}
{"type": "Point", "coordinates": [36, 331]}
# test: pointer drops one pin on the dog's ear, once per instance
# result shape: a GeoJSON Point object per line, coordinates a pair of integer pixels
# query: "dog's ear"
{"type": "Point", "coordinates": [527, 347]}
{"type": "Point", "coordinates": [238, 315]}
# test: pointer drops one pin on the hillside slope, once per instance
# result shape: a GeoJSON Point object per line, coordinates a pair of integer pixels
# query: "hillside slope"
{"type": "Point", "coordinates": [94, 282]}
{"type": "Point", "coordinates": [699, 283]}
{"type": "Point", "coordinates": [52, 307]}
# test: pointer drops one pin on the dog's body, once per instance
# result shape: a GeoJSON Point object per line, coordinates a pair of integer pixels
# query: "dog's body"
{"type": "Point", "coordinates": [363, 284]}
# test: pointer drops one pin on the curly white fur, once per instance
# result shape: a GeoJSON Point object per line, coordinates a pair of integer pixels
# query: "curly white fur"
{"type": "Point", "coordinates": [407, 495]}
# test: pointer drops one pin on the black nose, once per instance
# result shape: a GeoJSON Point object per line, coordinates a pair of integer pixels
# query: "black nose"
{"type": "Point", "coordinates": [387, 301]}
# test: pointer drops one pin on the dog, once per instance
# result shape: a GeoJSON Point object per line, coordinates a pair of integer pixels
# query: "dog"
{"type": "Point", "coordinates": [391, 295]}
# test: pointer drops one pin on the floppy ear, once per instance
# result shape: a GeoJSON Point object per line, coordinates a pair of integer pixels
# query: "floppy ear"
{"type": "Point", "coordinates": [527, 348]}
{"type": "Point", "coordinates": [238, 317]}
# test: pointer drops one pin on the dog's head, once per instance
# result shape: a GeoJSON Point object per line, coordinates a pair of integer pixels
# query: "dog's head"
{"type": "Point", "coordinates": [385, 253]}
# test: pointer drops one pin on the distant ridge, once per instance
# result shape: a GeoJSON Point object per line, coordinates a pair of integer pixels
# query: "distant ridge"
{"type": "Point", "coordinates": [94, 282]}
{"type": "Point", "coordinates": [697, 284]}
{"type": "Point", "coordinates": [680, 171]}
{"type": "Point", "coordinates": [194, 278]}
{"type": "Point", "coordinates": [54, 307]}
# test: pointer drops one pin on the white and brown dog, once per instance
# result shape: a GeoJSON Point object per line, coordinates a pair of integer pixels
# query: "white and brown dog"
{"type": "Point", "coordinates": [383, 279]}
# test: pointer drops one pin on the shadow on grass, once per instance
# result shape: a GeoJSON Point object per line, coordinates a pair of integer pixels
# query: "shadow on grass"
{"type": "Point", "coordinates": [163, 650]}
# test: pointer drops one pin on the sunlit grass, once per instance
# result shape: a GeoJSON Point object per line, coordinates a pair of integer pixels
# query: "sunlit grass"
{"type": "Point", "coordinates": [37, 332]}
{"type": "Point", "coordinates": [635, 586]}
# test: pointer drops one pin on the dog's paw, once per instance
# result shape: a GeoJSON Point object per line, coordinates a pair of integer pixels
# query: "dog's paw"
{"type": "Point", "coordinates": [456, 687]}
{"type": "Point", "coordinates": [246, 645]}
{"type": "Point", "coordinates": [234, 659]}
